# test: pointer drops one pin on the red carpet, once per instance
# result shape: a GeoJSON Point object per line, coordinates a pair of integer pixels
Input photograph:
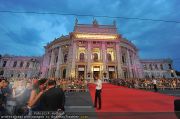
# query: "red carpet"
{"type": "Point", "coordinates": [133, 103]}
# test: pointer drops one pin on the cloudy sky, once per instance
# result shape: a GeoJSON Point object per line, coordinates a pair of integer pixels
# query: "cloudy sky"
{"type": "Point", "coordinates": [26, 34]}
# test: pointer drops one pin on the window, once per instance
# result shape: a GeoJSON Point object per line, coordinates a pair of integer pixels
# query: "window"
{"type": "Point", "coordinates": [64, 73]}
{"type": "Point", "coordinates": [4, 63]}
{"type": "Point", "coordinates": [170, 66]}
{"type": "Point", "coordinates": [145, 67]}
{"type": "Point", "coordinates": [21, 64]}
{"type": "Point", "coordinates": [109, 57]}
{"type": "Point", "coordinates": [81, 56]}
{"type": "Point", "coordinates": [19, 75]}
{"type": "Point", "coordinates": [65, 58]}
{"type": "Point", "coordinates": [110, 43]}
{"type": "Point", "coordinates": [81, 42]}
{"type": "Point", "coordinates": [94, 42]}
{"type": "Point", "coordinates": [161, 66]}
{"type": "Point", "coordinates": [56, 59]}
{"type": "Point", "coordinates": [95, 57]}
{"type": "Point", "coordinates": [1, 73]}
{"type": "Point", "coordinates": [27, 65]}
{"type": "Point", "coordinates": [123, 59]}
{"type": "Point", "coordinates": [150, 66]}
{"type": "Point", "coordinates": [156, 67]}
{"type": "Point", "coordinates": [15, 64]}
{"type": "Point", "coordinates": [11, 75]}
{"type": "Point", "coordinates": [25, 75]}
{"type": "Point", "coordinates": [131, 60]}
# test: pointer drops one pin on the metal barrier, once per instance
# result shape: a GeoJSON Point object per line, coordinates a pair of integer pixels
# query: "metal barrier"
{"type": "Point", "coordinates": [75, 90]}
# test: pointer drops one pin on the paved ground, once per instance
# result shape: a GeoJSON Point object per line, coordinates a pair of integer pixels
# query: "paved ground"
{"type": "Point", "coordinates": [80, 104]}
{"type": "Point", "coordinates": [169, 92]}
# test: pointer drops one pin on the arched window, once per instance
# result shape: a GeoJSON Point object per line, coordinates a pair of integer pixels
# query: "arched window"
{"type": "Point", "coordinates": [131, 60]}
{"type": "Point", "coordinates": [109, 57]}
{"type": "Point", "coordinates": [65, 58]}
{"type": "Point", "coordinates": [56, 59]}
{"type": "Point", "coordinates": [21, 64]}
{"type": "Point", "coordinates": [123, 59]}
{"type": "Point", "coordinates": [64, 73]}
{"type": "Point", "coordinates": [95, 57]}
{"type": "Point", "coordinates": [161, 66]}
{"type": "Point", "coordinates": [170, 66]}
{"type": "Point", "coordinates": [81, 56]}
{"type": "Point", "coordinates": [145, 67]}
{"type": "Point", "coordinates": [25, 75]}
{"type": "Point", "coordinates": [156, 67]}
{"type": "Point", "coordinates": [27, 65]}
{"type": "Point", "coordinates": [1, 73]}
{"type": "Point", "coordinates": [4, 63]}
{"type": "Point", "coordinates": [150, 66]}
{"type": "Point", "coordinates": [15, 63]}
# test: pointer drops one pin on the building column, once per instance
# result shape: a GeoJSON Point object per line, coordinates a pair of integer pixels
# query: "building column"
{"type": "Point", "coordinates": [118, 60]}
{"type": "Point", "coordinates": [89, 60]}
{"type": "Point", "coordinates": [73, 68]}
{"type": "Point", "coordinates": [51, 63]}
{"type": "Point", "coordinates": [135, 66]}
{"type": "Point", "coordinates": [129, 64]}
{"type": "Point", "coordinates": [57, 74]}
{"type": "Point", "coordinates": [45, 64]}
{"type": "Point", "coordinates": [104, 58]}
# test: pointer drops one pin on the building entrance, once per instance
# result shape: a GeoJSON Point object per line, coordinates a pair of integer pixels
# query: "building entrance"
{"type": "Point", "coordinates": [81, 71]}
{"type": "Point", "coordinates": [81, 74]}
{"type": "Point", "coordinates": [111, 72]}
{"type": "Point", "coordinates": [96, 71]}
{"type": "Point", "coordinates": [96, 74]}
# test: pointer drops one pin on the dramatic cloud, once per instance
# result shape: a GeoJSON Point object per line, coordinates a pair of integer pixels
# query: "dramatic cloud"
{"type": "Point", "coordinates": [26, 34]}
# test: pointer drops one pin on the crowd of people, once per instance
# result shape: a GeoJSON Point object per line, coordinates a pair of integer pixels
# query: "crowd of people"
{"type": "Point", "coordinates": [21, 97]}
{"type": "Point", "coordinates": [162, 83]}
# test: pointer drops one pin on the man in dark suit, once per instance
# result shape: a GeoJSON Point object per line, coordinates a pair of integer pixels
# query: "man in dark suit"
{"type": "Point", "coordinates": [53, 99]}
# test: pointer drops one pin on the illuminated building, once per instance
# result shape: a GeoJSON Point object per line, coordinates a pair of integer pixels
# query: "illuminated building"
{"type": "Point", "coordinates": [92, 50]}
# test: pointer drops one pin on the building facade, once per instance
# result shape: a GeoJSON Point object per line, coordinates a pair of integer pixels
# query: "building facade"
{"type": "Point", "coordinates": [19, 66]}
{"type": "Point", "coordinates": [92, 50]}
{"type": "Point", "coordinates": [158, 68]}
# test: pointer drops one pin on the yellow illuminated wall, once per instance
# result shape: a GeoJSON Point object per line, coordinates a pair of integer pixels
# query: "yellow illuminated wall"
{"type": "Point", "coordinates": [96, 36]}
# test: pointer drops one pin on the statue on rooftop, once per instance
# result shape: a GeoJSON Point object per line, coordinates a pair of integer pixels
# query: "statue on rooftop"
{"type": "Point", "coordinates": [76, 21]}
{"type": "Point", "coordinates": [95, 23]}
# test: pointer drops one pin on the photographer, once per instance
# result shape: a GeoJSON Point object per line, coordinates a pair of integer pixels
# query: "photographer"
{"type": "Point", "coordinates": [53, 98]}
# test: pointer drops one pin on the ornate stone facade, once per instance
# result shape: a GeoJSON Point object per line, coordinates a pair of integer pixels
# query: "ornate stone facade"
{"type": "Point", "coordinates": [92, 50]}
{"type": "Point", "coordinates": [20, 66]}
{"type": "Point", "coordinates": [158, 68]}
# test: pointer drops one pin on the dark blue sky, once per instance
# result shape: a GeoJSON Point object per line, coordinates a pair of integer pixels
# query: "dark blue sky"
{"type": "Point", "coordinates": [26, 34]}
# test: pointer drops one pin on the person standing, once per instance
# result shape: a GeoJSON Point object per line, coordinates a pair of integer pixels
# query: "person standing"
{"type": "Point", "coordinates": [154, 81]}
{"type": "Point", "coordinates": [53, 98]}
{"type": "Point", "coordinates": [98, 83]}
{"type": "Point", "coordinates": [2, 97]}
